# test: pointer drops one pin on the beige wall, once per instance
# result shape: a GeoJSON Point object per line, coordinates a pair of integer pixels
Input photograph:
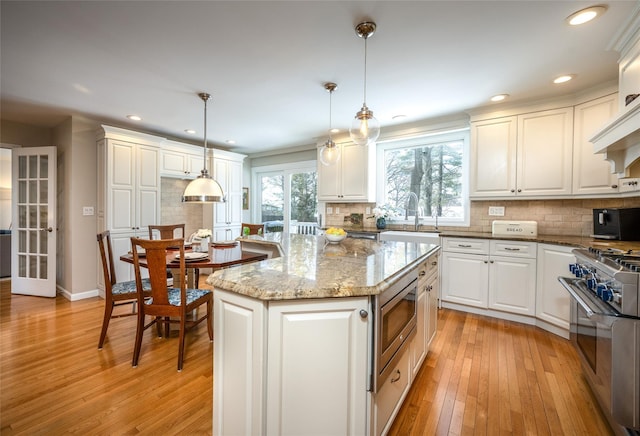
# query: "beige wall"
{"type": "Point", "coordinates": [554, 217]}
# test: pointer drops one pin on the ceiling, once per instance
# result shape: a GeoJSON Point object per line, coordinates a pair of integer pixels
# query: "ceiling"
{"type": "Point", "coordinates": [265, 62]}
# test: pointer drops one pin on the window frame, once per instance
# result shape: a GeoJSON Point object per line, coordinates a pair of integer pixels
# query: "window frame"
{"type": "Point", "coordinates": [408, 141]}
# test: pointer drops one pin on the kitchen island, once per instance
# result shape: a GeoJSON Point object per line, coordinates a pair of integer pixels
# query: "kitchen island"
{"type": "Point", "coordinates": [293, 337]}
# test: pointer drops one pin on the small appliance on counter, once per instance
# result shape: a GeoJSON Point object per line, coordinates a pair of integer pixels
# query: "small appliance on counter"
{"type": "Point", "coordinates": [617, 224]}
{"type": "Point", "coordinates": [525, 229]}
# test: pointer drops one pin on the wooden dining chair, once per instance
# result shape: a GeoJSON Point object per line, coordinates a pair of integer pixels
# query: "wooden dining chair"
{"type": "Point", "coordinates": [115, 293]}
{"type": "Point", "coordinates": [166, 231]}
{"type": "Point", "coordinates": [166, 303]}
{"type": "Point", "coordinates": [254, 229]}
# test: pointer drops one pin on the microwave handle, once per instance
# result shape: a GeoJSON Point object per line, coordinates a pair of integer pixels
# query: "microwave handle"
{"type": "Point", "coordinates": [601, 218]}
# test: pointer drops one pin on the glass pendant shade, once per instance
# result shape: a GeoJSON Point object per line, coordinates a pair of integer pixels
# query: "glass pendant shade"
{"type": "Point", "coordinates": [329, 153]}
{"type": "Point", "coordinates": [365, 128]}
{"type": "Point", "coordinates": [204, 189]}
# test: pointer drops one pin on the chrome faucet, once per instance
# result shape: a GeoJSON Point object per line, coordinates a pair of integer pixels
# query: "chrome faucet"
{"type": "Point", "coordinates": [416, 210]}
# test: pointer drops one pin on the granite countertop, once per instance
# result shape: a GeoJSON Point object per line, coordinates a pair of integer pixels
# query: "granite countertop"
{"type": "Point", "coordinates": [311, 268]}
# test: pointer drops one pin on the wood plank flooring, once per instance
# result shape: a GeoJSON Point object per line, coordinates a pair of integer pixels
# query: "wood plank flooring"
{"type": "Point", "coordinates": [483, 376]}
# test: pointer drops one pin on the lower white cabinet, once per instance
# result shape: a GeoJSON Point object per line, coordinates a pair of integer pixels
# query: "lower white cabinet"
{"type": "Point", "coordinates": [312, 377]}
{"type": "Point", "coordinates": [498, 275]}
{"type": "Point", "coordinates": [388, 399]}
{"type": "Point", "coordinates": [427, 311]}
{"type": "Point", "coordinates": [552, 300]}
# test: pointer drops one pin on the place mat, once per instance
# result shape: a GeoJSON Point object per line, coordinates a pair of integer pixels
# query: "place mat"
{"type": "Point", "coordinates": [192, 256]}
{"type": "Point", "coordinates": [225, 243]}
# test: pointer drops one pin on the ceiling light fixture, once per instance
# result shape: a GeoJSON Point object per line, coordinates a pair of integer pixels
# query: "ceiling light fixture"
{"type": "Point", "coordinates": [564, 79]}
{"type": "Point", "coordinates": [190, 131]}
{"type": "Point", "coordinates": [365, 129]}
{"type": "Point", "coordinates": [586, 15]}
{"type": "Point", "coordinates": [134, 117]}
{"type": "Point", "coordinates": [203, 189]}
{"type": "Point", "coordinates": [499, 97]}
{"type": "Point", "coordinates": [329, 152]}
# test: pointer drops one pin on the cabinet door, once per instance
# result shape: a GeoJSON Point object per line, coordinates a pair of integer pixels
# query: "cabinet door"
{"type": "Point", "coordinates": [493, 158]}
{"type": "Point", "coordinates": [148, 187]}
{"type": "Point", "coordinates": [552, 300]}
{"type": "Point", "coordinates": [234, 193]}
{"type": "Point", "coordinates": [419, 342]}
{"type": "Point", "coordinates": [432, 310]}
{"type": "Point", "coordinates": [121, 189]}
{"type": "Point", "coordinates": [512, 284]}
{"type": "Point", "coordinates": [329, 180]}
{"type": "Point", "coordinates": [544, 153]}
{"type": "Point", "coordinates": [591, 173]}
{"type": "Point", "coordinates": [317, 367]}
{"type": "Point", "coordinates": [221, 175]}
{"type": "Point", "coordinates": [465, 279]}
{"type": "Point", "coordinates": [355, 172]}
{"type": "Point", "coordinates": [195, 165]}
{"type": "Point", "coordinates": [173, 164]}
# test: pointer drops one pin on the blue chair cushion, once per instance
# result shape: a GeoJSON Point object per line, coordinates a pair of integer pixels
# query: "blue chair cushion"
{"type": "Point", "coordinates": [129, 287]}
{"type": "Point", "coordinates": [174, 296]}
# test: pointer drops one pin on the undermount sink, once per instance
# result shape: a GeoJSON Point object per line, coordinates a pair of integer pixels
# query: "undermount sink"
{"type": "Point", "coordinates": [405, 236]}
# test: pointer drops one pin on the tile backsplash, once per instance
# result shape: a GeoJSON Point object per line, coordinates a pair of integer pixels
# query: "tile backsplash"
{"type": "Point", "coordinates": [174, 211]}
{"type": "Point", "coordinates": [554, 217]}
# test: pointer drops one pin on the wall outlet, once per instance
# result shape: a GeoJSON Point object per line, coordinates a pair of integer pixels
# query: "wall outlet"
{"type": "Point", "coordinates": [367, 210]}
{"type": "Point", "coordinates": [87, 210]}
{"type": "Point", "coordinates": [496, 210]}
{"type": "Point", "coordinates": [337, 210]}
{"type": "Point", "coordinates": [329, 210]}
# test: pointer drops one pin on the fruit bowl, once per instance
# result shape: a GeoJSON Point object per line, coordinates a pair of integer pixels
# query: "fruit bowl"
{"type": "Point", "coordinates": [335, 235]}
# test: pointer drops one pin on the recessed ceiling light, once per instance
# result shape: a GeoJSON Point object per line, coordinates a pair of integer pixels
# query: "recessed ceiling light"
{"type": "Point", "coordinates": [563, 79]}
{"type": "Point", "coordinates": [190, 131]}
{"type": "Point", "coordinates": [585, 15]}
{"type": "Point", "coordinates": [134, 117]}
{"type": "Point", "coordinates": [230, 141]}
{"type": "Point", "coordinates": [398, 117]}
{"type": "Point", "coordinates": [499, 97]}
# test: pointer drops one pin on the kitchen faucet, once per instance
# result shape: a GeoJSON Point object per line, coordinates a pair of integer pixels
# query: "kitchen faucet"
{"type": "Point", "coordinates": [406, 210]}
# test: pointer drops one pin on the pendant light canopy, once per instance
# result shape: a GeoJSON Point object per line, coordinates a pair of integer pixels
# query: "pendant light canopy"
{"type": "Point", "coordinates": [365, 129]}
{"type": "Point", "coordinates": [204, 189]}
{"type": "Point", "coordinates": [330, 152]}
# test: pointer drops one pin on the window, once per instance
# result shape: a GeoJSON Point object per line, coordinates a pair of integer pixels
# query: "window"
{"type": "Point", "coordinates": [434, 169]}
{"type": "Point", "coordinates": [287, 197]}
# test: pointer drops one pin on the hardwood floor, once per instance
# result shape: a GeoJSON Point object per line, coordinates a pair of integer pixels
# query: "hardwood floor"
{"type": "Point", "coordinates": [483, 376]}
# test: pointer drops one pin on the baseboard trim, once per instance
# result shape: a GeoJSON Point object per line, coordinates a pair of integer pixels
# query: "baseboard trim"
{"type": "Point", "coordinates": [78, 295]}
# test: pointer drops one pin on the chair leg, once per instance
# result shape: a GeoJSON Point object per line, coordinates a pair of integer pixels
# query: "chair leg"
{"type": "Point", "coordinates": [196, 278]}
{"type": "Point", "coordinates": [108, 310]}
{"type": "Point", "coordinates": [138, 344]}
{"type": "Point", "coordinates": [183, 322]}
{"type": "Point", "coordinates": [159, 326]}
{"type": "Point", "coordinates": [209, 316]}
{"type": "Point", "coordinates": [167, 326]}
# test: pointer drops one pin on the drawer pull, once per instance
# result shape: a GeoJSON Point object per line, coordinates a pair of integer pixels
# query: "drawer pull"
{"type": "Point", "coordinates": [434, 263]}
{"type": "Point", "coordinates": [511, 249]}
{"type": "Point", "coordinates": [393, 380]}
{"type": "Point", "coordinates": [422, 273]}
{"type": "Point", "coordinates": [464, 246]}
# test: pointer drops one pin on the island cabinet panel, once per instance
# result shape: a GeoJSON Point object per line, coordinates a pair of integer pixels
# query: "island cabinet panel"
{"type": "Point", "coordinates": [317, 367]}
{"type": "Point", "coordinates": [239, 373]}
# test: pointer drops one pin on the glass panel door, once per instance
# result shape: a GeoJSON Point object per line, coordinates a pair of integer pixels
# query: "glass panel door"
{"type": "Point", "coordinates": [33, 239]}
{"type": "Point", "coordinates": [272, 201]}
{"type": "Point", "coordinates": [303, 209]}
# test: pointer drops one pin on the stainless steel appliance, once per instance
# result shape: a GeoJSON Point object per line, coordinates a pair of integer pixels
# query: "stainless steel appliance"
{"type": "Point", "coordinates": [620, 224]}
{"type": "Point", "coordinates": [605, 329]}
{"type": "Point", "coordinates": [394, 325]}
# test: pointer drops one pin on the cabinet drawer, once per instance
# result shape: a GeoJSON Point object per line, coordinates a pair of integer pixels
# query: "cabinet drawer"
{"type": "Point", "coordinates": [390, 394]}
{"type": "Point", "coordinates": [513, 248]}
{"type": "Point", "coordinates": [460, 245]}
{"type": "Point", "coordinates": [431, 265]}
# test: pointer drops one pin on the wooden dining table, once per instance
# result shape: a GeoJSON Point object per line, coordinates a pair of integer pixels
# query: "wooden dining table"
{"type": "Point", "coordinates": [219, 257]}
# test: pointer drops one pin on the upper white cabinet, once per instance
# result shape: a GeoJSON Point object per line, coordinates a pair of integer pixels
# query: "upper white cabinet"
{"type": "Point", "coordinates": [591, 173]}
{"type": "Point", "coordinates": [528, 155]}
{"type": "Point", "coordinates": [226, 169]}
{"type": "Point", "coordinates": [181, 160]}
{"type": "Point", "coordinates": [352, 178]}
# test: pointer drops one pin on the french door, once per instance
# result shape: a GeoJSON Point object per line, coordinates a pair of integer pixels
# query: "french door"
{"type": "Point", "coordinates": [33, 206]}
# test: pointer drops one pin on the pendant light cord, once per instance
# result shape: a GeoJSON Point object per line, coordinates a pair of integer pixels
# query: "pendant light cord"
{"type": "Point", "coordinates": [364, 97]}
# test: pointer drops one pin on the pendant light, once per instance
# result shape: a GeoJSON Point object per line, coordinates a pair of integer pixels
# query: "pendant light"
{"type": "Point", "coordinates": [203, 189]}
{"type": "Point", "coordinates": [365, 129]}
{"type": "Point", "coordinates": [330, 152]}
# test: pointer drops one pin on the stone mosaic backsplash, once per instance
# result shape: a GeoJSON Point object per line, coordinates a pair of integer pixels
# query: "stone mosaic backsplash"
{"type": "Point", "coordinates": [554, 217]}
{"type": "Point", "coordinates": [174, 211]}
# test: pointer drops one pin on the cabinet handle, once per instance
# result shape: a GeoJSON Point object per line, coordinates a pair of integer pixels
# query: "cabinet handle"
{"type": "Point", "coordinates": [513, 190]}
{"type": "Point", "coordinates": [511, 249]}
{"type": "Point", "coordinates": [364, 314]}
{"type": "Point", "coordinates": [491, 261]}
{"type": "Point", "coordinates": [464, 246]}
{"type": "Point", "coordinates": [422, 273]}
{"type": "Point", "coordinates": [393, 380]}
{"type": "Point", "coordinates": [434, 263]}
{"type": "Point", "coordinates": [614, 186]}
{"type": "Point", "coordinates": [519, 190]}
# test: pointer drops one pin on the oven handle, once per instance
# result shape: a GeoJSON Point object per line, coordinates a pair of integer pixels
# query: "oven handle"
{"type": "Point", "coordinates": [569, 287]}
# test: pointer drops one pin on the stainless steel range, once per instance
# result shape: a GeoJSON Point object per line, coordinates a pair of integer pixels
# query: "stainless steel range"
{"type": "Point", "coordinates": [605, 328]}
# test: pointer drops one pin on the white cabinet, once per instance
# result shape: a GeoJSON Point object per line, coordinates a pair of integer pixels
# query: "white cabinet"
{"type": "Point", "coordinates": [312, 377]}
{"type": "Point", "coordinates": [427, 311]}
{"type": "Point", "coordinates": [528, 155]}
{"type": "Point", "coordinates": [497, 275]}
{"type": "Point", "coordinates": [352, 178]}
{"type": "Point", "coordinates": [128, 197]}
{"type": "Point", "coordinates": [591, 173]}
{"type": "Point", "coordinates": [390, 395]}
{"type": "Point", "coordinates": [181, 160]}
{"type": "Point", "coordinates": [226, 218]}
{"type": "Point", "coordinates": [552, 300]}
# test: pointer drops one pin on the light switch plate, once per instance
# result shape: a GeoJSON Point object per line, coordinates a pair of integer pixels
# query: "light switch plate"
{"type": "Point", "coordinates": [496, 210]}
{"type": "Point", "coordinates": [87, 210]}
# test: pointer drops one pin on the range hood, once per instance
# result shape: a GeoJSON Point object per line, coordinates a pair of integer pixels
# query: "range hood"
{"type": "Point", "coordinates": [619, 140]}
